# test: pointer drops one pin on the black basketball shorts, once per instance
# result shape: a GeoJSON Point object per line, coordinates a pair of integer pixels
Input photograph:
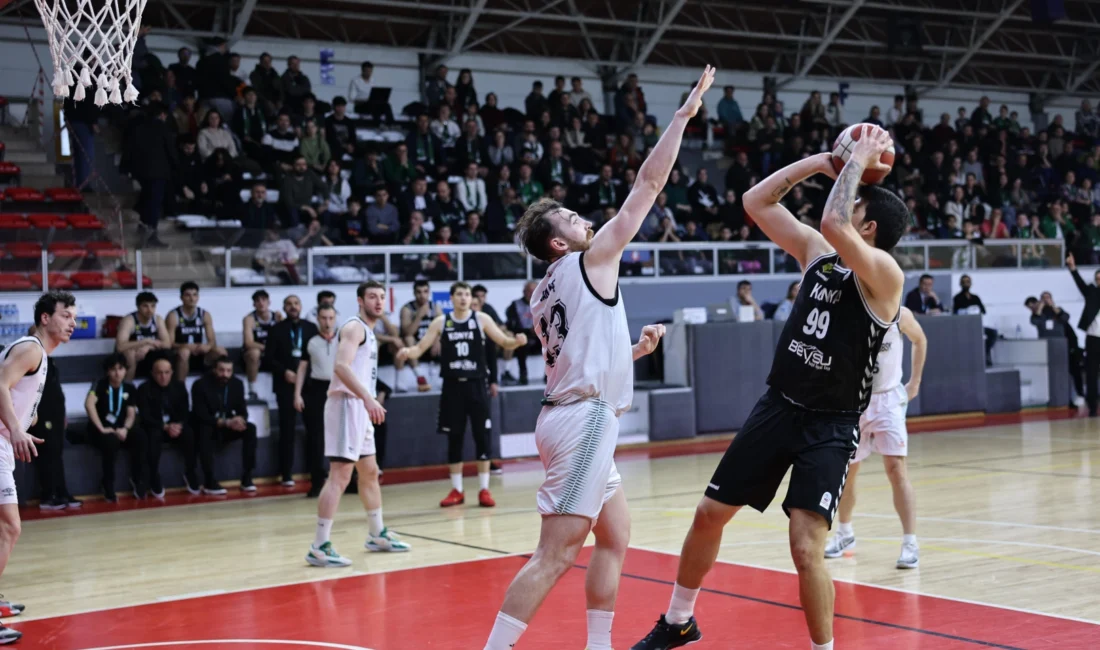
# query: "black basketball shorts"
{"type": "Point", "coordinates": [462, 401]}
{"type": "Point", "coordinates": [777, 436]}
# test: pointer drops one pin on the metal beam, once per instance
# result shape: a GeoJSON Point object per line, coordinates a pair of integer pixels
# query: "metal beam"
{"type": "Point", "coordinates": [589, 44]}
{"type": "Point", "coordinates": [655, 37]}
{"type": "Point", "coordinates": [977, 43]}
{"type": "Point", "coordinates": [243, 17]}
{"type": "Point", "coordinates": [1085, 75]}
{"type": "Point", "coordinates": [463, 32]}
{"type": "Point", "coordinates": [171, 8]}
{"type": "Point", "coordinates": [825, 42]}
{"type": "Point", "coordinates": [522, 18]}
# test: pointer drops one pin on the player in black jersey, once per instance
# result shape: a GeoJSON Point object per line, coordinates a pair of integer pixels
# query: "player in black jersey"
{"type": "Point", "coordinates": [820, 382]}
{"type": "Point", "coordinates": [191, 330]}
{"type": "Point", "coordinates": [416, 316]}
{"type": "Point", "coordinates": [465, 395]}
{"type": "Point", "coordinates": [256, 326]}
{"type": "Point", "coordinates": [142, 337]}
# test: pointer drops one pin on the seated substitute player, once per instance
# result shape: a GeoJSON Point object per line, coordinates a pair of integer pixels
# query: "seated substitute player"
{"type": "Point", "coordinates": [465, 393]}
{"type": "Point", "coordinates": [256, 326]}
{"type": "Point", "coordinates": [820, 383]}
{"type": "Point", "coordinates": [882, 429]}
{"type": "Point", "coordinates": [142, 337]}
{"type": "Point", "coordinates": [191, 330]}
{"type": "Point", "coordinates": [416, 316]}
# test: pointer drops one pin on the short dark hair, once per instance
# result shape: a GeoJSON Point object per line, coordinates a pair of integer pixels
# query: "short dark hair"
{"type": "Point", "coordinates": [964, 277]}
{"type": "Point", "coordinates": [115, 359]}
{"type": "Point", "coordinates": [223, 359]}
{"type": "Point", "coordinates": [367, 286]}
{"type": "Point", "coordinates": [188, 285]}
{"type": "Point", "coordinates": [420, 283]}
{"type": "Point", "coordinates": [925, 276]}
{"type": "Point", "coordinates": [145, 297]}
{"type": "Point", "coordinates": [47, 303]}
{"type": "Point", "coordinates": [366, 64]}
{"type": "Point", "coordinates": [899, 98]}
{"type": "Point", "coordinates": [248, 89]}
{"type": "Point", "coordinates": [479, 288]}
{"type": "Point", "coordinates": [743, 283]}
{"type": "Point", "coordinates": [460, 285]}
{"type": "Point", "coordinates": [1030, 300]}
{"type": "Point", "coordinates": [536, 229]}
{"type": "Point", "coordinates": [325, 308]}
{"type": "Point", "coordinates": [339, 101]}
{"type": "Point", "coordinates": [325, 293]}
{"type": "Point", "coordinates": [888, 211]}
{"type": "Point", "coordinates": [260, 293]}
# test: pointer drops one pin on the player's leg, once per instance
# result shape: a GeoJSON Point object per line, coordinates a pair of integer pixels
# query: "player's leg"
{"type": "Point", "coordinates": [183, 363]}
{"type": "Point", "coordinates": [601, 581]}
{"type": "Point", "coordinates": [808, 532]}
{"type": "Point", "coordinates": [131, 362]}
{"type": "Point", "coordinates": [906, 507]}
{"type": "Point", "coordinates": [560, 542]}
{"type": "Point", "coordinates": [321, 553]}
{"type": "Point", "coordinates": [451, 422]}
{"type": "Point", "coordinates": [379, 537]}
{"type": "Point", "coordinates": [251, 358]}
{"type": "Point", "coordinates": [10, 528]}
{"type": "Point", "coordinates": [844, 541]}
{"type": "Point", "coordinates": [477, 408]}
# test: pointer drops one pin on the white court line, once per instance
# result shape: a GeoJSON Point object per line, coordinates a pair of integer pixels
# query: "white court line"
{"type": "Point", "coordinates": [894, 589]}
{"type": "Point", "coordinates": [165, 644]}
{"type": "Point", "coordinates": [983, 522]}
{"type": "Point", "coordinates": [193, 594]}
{"type": "Point", "coordinates": [1033, 438]}
{"type": "Point", "coordinates": [989, 542]}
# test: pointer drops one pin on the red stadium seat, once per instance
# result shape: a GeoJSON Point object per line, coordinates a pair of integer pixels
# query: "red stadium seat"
{"type": "Point", "coordinates": [92, 280]}
{"type": "Point", "coordinates": [8, 169]}
{"type": "Point", "coordinates": [25, 194]}
{"type": "Point", "coordinates": [10, 221]}
{"type": "Point", "coordinates": [25, 250]}
{"type": "Point", "coordinates": [81, 221]}
{"type": "Point", "coordinates": [64, 195]}
{"type": "Point", "coordinates": [105, 249]}
{"type": "Point", "coordinates": [67, 249]}
{"type": "Point", "coordinates": [15, 282]}
{"type": "Point", "coordinates": [47, 221]}
{"type": "Point", "coordinates": [128, 280]}
{"type": "Point", "coordinates": [59, 280]}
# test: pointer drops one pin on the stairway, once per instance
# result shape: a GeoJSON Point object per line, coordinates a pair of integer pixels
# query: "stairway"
{"type": "Point", "coordinates": [23, 149]}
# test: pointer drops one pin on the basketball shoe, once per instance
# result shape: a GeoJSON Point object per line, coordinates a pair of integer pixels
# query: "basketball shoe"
{"type": "Point", "coordinates": [839, 545]}
{"type": "Point", "coordinates": [8, 635]}
{"type": "Point", "coordinates": [453, 498]}
{"type": "Point", "coordinates": [910, 556]}
{"type": "Point", "coordinates": [665, 635]}
{"type": "Point", "coordinates": [386, 542]}
{"type": "Point", "coordinates": [8, 608]}
{"type": "Point", "coordinates": [326, 556]}
{"type": "Point", "coordinates": [485, 499]}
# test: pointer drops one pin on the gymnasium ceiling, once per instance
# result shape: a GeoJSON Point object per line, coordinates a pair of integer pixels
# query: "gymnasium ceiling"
{"type": "Point", "coordinates": [962, 43]}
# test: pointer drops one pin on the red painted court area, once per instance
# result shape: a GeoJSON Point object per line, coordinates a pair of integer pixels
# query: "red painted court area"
{"type": "Point", "coordinates": [453, 606]}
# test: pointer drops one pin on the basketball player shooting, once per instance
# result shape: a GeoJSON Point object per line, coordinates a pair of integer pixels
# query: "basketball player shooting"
{"type": "Point", "coordinates": [819, 384]}
{"type": "Point", "coordinates": [581, 322]}
{"type": "Point", "coordinates": [882, 429]}
{"type": "Point", "coordinates": [22, 378]}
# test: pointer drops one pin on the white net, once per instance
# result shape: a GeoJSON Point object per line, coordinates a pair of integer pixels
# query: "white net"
{"type": "Point", "coordinates": [92, 41]}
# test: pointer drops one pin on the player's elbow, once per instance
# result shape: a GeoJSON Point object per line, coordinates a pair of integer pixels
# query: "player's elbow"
{"type": "Point", "coordinates": [754, 197]}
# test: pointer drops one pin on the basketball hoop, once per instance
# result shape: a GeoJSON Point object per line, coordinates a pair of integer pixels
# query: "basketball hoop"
{"type": "Point", "coordinates": [97, 37]}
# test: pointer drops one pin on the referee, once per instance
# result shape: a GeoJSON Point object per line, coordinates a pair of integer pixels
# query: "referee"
{"type": "Point", "coordinates": [310, 393]}
{"type": "Point", "coordinates": [465, 393]}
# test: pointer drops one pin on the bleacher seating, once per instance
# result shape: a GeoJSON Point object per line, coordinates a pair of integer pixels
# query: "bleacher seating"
{"type": "Point", "coordinates": [47, 221]}
{"type": "Point", "coordinates": [15, 282]}
{"type": "Point", "coordinates": [10, 172]}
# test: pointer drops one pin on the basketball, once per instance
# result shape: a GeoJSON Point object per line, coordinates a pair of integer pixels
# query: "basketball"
{"type": "Point", "coordinates": [842, 149]}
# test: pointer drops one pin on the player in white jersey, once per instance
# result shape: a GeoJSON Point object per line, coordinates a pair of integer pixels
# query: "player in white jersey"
{"type": "Point", "coordinates": [22, 378]}
{"type": "Point", "coordinates": [581, 323]}
{"type": "Point", "coordinates": [351, 412]}
{"type": "Point", "coordinates": [882, 429]}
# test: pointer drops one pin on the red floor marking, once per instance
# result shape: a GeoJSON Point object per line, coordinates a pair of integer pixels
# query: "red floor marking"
{"type": "Point", "coordinates": [453, 607]}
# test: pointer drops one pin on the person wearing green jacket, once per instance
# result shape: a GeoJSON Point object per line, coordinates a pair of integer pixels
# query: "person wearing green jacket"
{"type": "Point", "coordinates": [314, 147]}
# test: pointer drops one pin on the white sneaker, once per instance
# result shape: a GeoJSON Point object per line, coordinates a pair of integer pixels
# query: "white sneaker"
{"type": "Point", "coordinates": [326, 556]}
{"type": "Point", "coordinates": [838, 545]}
{"type": "Point", "coordinates": [386, 542]}
{"type": "Point", "coordinates": [910, 556]}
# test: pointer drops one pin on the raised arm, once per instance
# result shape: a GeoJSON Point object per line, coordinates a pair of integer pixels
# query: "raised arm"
{"type": "Point", "coordinates": [762, 203]}
{"type": "Point", "coordinates": [424, 344]}
{"type": "Point", "coordinates": [877, 271]}
{"type": "Point", "coordinates": [608, 244]}
{"type": "Point", "coordinates": [1071, 264]}
{"type": "Point", "coordinates": [915, 333]}
{"type": "Point", "coordinates": [496, 335]}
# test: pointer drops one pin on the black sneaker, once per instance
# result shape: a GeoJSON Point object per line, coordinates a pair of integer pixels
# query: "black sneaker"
{"type": "Point", "coordinates": [52, 504]}
{"type": "Point", "coordinates": [495, 468]}
{"type": "Point", "coordinates": [246, 484]}
{"type": "Point", "coordinates": [109, 495]}
{"type": "Point", "coordinates": [139, 489]}
{"type": "Point", "coordinates": [156, 487]}
{"type": "Point", "coordinates": [508, 379]}
{"type": "Point", "coordinates": [72, 502]}
{"type": "Point", "coordinates": [665, 635]}
{"type": "Point", "coordinates": [213, 488]}
{"type": "Point", "coordinates": [191, 482]}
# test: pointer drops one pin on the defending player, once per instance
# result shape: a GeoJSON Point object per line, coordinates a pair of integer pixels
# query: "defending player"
{"type": "Point", "coordinates": [820, 382]}
{"type": "Point", "coordinates": [882, 429]}
{"type": "Point", "coordinates": [465, 393]}
{"type": "Point", "coordinates": [22, 379]}
{"type": "Point", "coordinates": [580, 320]}
{"type": "Point", "coordinates": [350, 415]}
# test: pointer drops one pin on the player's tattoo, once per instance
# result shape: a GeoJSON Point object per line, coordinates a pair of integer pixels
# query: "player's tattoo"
{"type": "Point", "coordinates": [781, 191]}
{"type": "Point", "coordinates": [842, 199]}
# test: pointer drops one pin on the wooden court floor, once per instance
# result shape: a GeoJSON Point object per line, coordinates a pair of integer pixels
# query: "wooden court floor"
{"type": "Point", "coordinates": [1009, 519]}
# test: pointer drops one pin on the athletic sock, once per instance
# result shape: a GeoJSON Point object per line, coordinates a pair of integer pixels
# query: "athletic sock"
{"type": "Point", "coordinates": [374, 522]}
{"type": "Point", "coordinates": [599, 629]}
{"type": "Point", "coordinates": [483, 480]}
{"type": "Point", "coordinates": [821, 646]}
{"type": "Point", "coordinates": [682, 605]}
{"type": "Point", "coordinates": [506, 633]}
{"type": "Point", "coordinates": [909, 539]}
{"type": "Point", "coordinates": [845, 530]}
{"type": "Point", "coordinates": [324, 529]}
{"type": "Point", "coordinates": [456, 481]}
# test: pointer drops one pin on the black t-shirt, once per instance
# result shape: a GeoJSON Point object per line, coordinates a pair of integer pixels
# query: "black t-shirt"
{"type": "Point", "coordinates": [964, 301]}
{"type": "Point", "coordinates": [463, 349]}
{"type": "Point", "coordinates": [190, 330]}
{"type": "Point", "coordinates": [262, 328]}
{"type": "Point", "coordinates": [827, 351]}
{"type": "Point", "coordinates": [143, 332]}
{"type": "Point", "coordinates": [111, 403]}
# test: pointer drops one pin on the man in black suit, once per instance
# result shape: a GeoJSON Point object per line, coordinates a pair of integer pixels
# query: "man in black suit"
{"type": "Point", "coordinates": [923, 300]}
{"type": "Point", "coordinates": [221, 415]}
{"type": "Point", "coordinates": [966, 302]}
{"type": "Point", "coordinates": [1090, 323]}
{"type": "Point", "coordinates": [152, 161]}
{"type": "Point", "coordinates": [164, 413]}
{"type": "Point", "coordinates": [286, 345]}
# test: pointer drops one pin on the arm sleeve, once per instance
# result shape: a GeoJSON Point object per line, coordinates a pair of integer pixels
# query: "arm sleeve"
{"type": "Point", "coordinates": [204, 415]}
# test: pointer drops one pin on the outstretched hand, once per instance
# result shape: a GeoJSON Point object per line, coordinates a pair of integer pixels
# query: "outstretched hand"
{"type": "Point", "coordinates": [695, 99]}
{"type": "Point", "coordinates": [872, 142]}
{"type": "Point", "coordinates": [651, 335]}
{"type": "Point", "coordinates": [1071, 263]}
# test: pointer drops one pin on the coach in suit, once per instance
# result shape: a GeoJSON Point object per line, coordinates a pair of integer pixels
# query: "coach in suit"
{"type": "Point", "coordinates": [1090, 323]}
{"type": "Point", "coordinates": [286, 347]}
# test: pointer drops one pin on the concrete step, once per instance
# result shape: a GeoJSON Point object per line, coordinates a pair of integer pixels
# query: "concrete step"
{"type": "Point", "coordinates": [19, 144]}
{"type": "Point", "coordinates": [25, 157]}
{"type": "Point", "coordinates": [42, 181]}
{"type": "Point", "coordinates": [37, 169]}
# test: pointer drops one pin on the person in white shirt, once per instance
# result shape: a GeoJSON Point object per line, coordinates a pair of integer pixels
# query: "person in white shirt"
{"type": "Point", "coordinates": [578, 94]}
{"type": "Point", "coordinates": [471, 191]}
{"type": "Point", "coordinates": [445, 128]}
{"type": "Point", "coordinates": [360, 87]}
{"type": "Point", "coordinates": [834, 112]}
{"type": "Point", "coordinates": [896, 112]}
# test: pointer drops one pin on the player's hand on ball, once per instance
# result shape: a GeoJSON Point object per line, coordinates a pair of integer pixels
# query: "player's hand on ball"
{"type": "Point", "coordinates": [651, 335]}
{"type": "Point", "coordinates": [868, 151]}
{"type": "Point", "coordinates": [695, 99]}
{"type": "Point", "coordinates": [375, 411]}
{"type": "Point", "coordinates": [521, 340]}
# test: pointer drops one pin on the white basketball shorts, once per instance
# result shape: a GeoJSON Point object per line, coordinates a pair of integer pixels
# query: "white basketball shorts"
{"type": "Point", "coordinates": [882, 426]}
{"type": "Point", "coordinates": [349, 433]}
{"type": "Point", "coordinates": [576, 443]}
{"type": "Point", "coordinates": [7, 472]}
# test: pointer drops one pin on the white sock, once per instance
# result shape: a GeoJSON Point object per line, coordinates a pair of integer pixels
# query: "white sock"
{"type": "Point", "coordinates": [599, 629]}
{"type": "Point", "coordinates": [506, 633]}
{"type": "Point", "coordinates": [324, 529]}
{"type": "Point", "coordinates": [845, 530]}
{"type": "Point", "coordinates": [682, 605]}
{"type": "Point", "coordinates": [374, 522]}
{"type": "Point", "coordinates": [456, 481]}
{"type": "Point", "coordinates": [821, 646]}
{"type": "Point", "coordinates": [909, 539]}
{"type": "Point", "coordinates": [483, 480]}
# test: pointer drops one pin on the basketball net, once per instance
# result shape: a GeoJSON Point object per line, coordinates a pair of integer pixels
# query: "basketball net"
{"type": "Point", "coordinates": [92, 43]}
